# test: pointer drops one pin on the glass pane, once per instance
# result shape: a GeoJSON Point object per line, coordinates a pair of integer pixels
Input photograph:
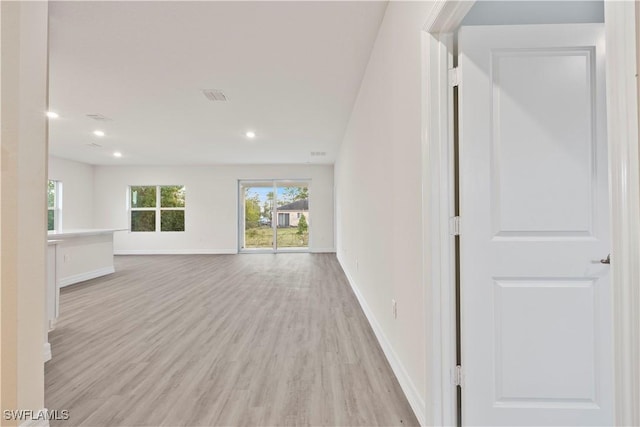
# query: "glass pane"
{"type": "Point", "coordinates": [143, 197]}
{"type": "Point", "coordinates": [258, 208]}
{"type": "Point", "coordinates": [51, 195]}
{"type": "Point", "coordinates": [143, 220]}
{"type": "Point", "coordinates": [172, 220]}
{"type": "Point", "coordinates": [51, 219]}
{"type": "Point", "coordinates": [293, 215]}
{"type": "Point", "coordinates": [172, 196]}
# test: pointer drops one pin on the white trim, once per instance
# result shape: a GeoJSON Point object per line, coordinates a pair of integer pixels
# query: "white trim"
{"type": "Point", "coordinates": [77, 278]}
{"type": "Point", "coordinates": [438, 203]}
{"type": "Point", "coordinates": [622, 126]}
{"type": "Point", "coordinates": [47, 351]}
{"type": "Point", "coordinates": [408, 387]}
{"type": "Point", "coordinates": [176, 251]}
{"type": "Point", "coordinates": [447, 15]}
{"type": "Point", "coordinates": [323, 250]}
{"type": "Point", "coordinates": [37, 423]}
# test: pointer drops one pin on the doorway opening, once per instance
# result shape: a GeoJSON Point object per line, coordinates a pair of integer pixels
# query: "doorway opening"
{"type": "Point", "coordinates": [274, 216]}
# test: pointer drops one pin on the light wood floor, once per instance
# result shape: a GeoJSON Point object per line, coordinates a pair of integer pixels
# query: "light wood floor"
{"type": "Point", "coordinates": [204, 340]}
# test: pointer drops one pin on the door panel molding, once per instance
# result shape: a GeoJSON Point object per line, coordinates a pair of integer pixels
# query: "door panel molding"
{"type": "Point", "coordinates": [527, 102]}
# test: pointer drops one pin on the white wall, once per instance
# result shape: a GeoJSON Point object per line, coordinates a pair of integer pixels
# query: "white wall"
{"type": "Point", "coordinates": [211, 217]}
{"type": "Point", "coordinates": [23, 151]}
{"type": "Point", "coordinates": [378, 196]}
{"type": "Point", "coordinates": [77, 191]}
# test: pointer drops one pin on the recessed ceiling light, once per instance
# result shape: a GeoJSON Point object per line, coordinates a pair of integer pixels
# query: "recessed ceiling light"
{"type": "Point", "coordinates": [117, 154]}
{"type": "Point", "coordinates": [52, 115]}
{"type": "Point", "coordinates": [250, 134]}
{"type": "Point", "coordinates": [98, 133]}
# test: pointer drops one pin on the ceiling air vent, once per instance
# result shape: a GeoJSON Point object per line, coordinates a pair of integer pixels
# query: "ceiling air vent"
{"type": "Point", "coordinates": [94, 145]}
{"type": "Point", "coordinates": [214, 95]}
{"type": "Point", "coordinates": [318, 153]}
{"type": "Point", "coordinates": [98, 117]}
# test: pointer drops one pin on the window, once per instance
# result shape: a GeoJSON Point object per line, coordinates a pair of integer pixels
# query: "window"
{"type": "Point", "coordinates": [54, 205]}
{"type": "Point", "coordinates": [157, 207]}
{"type": "Point", "coordinates": [283, 219]}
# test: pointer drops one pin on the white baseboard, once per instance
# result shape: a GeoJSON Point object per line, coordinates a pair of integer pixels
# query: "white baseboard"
{"type": "Point", "coordinates": [47, 351]}
{"type": "Point", "coordinates": [37, 422]}
{"type": "Point", "coordinates": [323, 250]}
{"type": "Point", "coordinates": [70, 280]}
{"type": "Point", "coordinates": [176, 251]}
{"type": "Point", "coordinates": [407, 385]}
{"type": "Point", "coordinates": [200, 251]}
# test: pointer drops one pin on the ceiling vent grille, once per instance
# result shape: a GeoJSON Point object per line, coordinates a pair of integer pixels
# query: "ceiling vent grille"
{"type": "Point", "coordinates": [94, 145]}
{"type": "Point", "coordinates": [318, 153]}
{"type": "Point", "coordinates": [214, 95]}
{"type": "Point", "coordinates": [98, 117]}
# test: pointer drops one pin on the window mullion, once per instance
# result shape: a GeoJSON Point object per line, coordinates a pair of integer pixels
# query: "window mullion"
{"type": "Point", "coordinates": [158, 204]}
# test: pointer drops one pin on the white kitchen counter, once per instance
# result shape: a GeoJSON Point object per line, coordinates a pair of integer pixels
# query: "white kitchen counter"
{"type": "Point", "coordinates": [80, 232]}
{"type": "Point", "coordinates": [83, 254]}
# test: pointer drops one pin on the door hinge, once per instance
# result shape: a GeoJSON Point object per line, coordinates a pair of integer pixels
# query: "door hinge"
{"type": "Point", "coordinates": [454, 77]}
{"type": "Point", "coordinates": [456, 377]}
{"type": "Point", "coordinates": [454, 226]}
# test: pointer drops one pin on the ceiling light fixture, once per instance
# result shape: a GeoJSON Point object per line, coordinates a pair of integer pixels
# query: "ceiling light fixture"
{"type": "Point", "coordinates": [117, 154]}
{"type": "Point", "coordinates": [98, 133]}
{"type": "Point", "coordinates": [214, 95]}
{"type": "Point", "coordinates": [250, 134]}
{"type": "Point", "coordinates": [99, 117]}
{"type": "Point", "coordinates": [52, 115]}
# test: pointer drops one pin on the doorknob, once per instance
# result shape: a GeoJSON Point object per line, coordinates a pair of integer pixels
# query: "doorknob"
{"type": "Point", "coordinates": [606, 260]}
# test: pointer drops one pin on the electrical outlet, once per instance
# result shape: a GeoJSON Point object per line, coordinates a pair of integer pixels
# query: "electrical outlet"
{"type": "Point", "coordinates": [66, 258]}
{"type": "Point", "coordinates": [394, 308]}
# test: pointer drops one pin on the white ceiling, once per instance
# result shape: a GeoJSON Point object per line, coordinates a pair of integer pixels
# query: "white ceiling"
{"type": "Point", "coordinates": [290, 70]}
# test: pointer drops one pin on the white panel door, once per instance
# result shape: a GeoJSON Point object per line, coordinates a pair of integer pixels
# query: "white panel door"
{"type": "Point", "coordinates": [535, 304]}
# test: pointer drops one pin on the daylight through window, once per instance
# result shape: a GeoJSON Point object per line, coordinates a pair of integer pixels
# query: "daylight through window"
{"type": "Point", "coordinates": [157, 208]}
{"type": "Point", "coordinates": [54, 205]}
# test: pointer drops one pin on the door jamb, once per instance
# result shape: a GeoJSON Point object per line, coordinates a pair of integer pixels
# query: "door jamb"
{"type": "Point", "coordinates": [624, 183]}
{"type": "Point", "coordinates": [437, 201]}
{"type": "Point", "coordinates": [438, 204]}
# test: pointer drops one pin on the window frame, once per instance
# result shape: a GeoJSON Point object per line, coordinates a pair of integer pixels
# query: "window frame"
{"type": "Point", "coordinates": [157, 209]}
{"type": "Point", "coordinates": [57, 205]}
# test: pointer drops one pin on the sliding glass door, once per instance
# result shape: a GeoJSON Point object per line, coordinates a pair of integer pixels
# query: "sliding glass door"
{"type": "Point", "coordinates": [292, 226]}
{"type": "Point", "coordinates": [257, 205]}
{"type": "Point", "coordinates": [274, 215]}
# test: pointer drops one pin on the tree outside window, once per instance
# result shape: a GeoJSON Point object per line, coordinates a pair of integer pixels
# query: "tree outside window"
{"type": "Point", "coordinates": [54, 204]}
{"type": "Point", "coordinates": [157, 207]}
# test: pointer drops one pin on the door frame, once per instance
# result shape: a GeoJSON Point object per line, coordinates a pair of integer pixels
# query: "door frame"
{"type": "Point", "coordinates": [274, 224]}
{"type": "Point", "coordinates": [438, 177]}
